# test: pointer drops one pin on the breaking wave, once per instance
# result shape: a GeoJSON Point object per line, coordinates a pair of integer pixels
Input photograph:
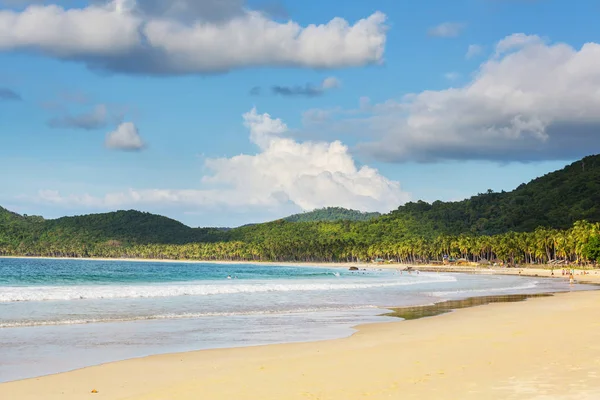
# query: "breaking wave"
{"type": "Point", "coordinates": [171, 316]}
{"type": "Point", "coordinates": [98, 292]}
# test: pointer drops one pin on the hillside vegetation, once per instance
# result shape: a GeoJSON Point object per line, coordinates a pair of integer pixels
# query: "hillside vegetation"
{"type": "Point", "coordinates": [553, 217]}
{"type": "Point", "coordinates": [332, 214]}
{"type": "Point", "coordinates": [555, 200]}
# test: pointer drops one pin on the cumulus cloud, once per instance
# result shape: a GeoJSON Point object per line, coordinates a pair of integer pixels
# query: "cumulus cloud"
{"type": "Point", "coordinates": [9, 94]}
{"type": "Point", "coordinates": [531, 100]}
{"type": "Point", "coordinates": [125, 137]}
{"type": "Point", "coordinates": [283, 173]}
{"type": "Point", "coordinates": [69, 33]}
{"type": "Point", "coordinates": [473, 51]}
{"type": "Point", "coordinates": [95, 119]}
{"type": "Point", "coordinates": [155, 37]}
{"type": "Point", "coordinates": [307, 90]}
{"type": "Point", "coordinates": [446, 29]}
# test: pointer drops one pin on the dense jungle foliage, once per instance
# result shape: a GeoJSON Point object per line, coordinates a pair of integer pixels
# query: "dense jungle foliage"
{"type": "Point", "coordinates": [332, 214]}
{"type": "Point", "coordinates": [554, 217]}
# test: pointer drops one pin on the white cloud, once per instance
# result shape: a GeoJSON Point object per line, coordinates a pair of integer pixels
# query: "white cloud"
{"type": "Point", "coordinates": [452, 76]}
{"type": "Point", "coordinates": [283, 174]}
{"type": "Point", "coordinates": [474, 50]}
{"type": "Point", "coordinates": [124, 36]}
{"type": "Point", "coordinates": [125, 137]}
{"type": "Point", "coordinates": [331, 83]}
{"type": "Point", "coordinates": [446, 29]}
{"type": "Point", "coordinates": [309, 174]}
{"type": "Point", "coordinates": [517, 41]}
{"type": "Point", "coordinates": [92, 31]}
{"type": "Point", "coordinates": [530, 101]}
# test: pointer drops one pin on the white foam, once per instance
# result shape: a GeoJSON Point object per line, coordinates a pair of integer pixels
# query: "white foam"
{"type": "Point", "coordinates": [96, 292]}
{"type": "Point", "coordinates": [30, 323]}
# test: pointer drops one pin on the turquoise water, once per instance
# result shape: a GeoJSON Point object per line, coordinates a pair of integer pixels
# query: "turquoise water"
{"type": "Point", "coordinates": [57, 315]}
{"type": "Point", "coordinates": [25, 272]}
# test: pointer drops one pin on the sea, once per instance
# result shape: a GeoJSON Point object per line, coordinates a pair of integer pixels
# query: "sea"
{"type": "Point", "coordinates": [58, 315]}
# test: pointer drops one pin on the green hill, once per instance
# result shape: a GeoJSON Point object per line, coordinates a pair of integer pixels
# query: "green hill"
{"type": "Point", "coordinates": [557, 209]}
{"type": "Point", "coordinates": [116, 229]}
{"type": "Point", "coordinates": [127, 226]}
{"type": "Point", "coordinates": [555, 200]}
{"type": "Point", "coordinates": [332, 214]}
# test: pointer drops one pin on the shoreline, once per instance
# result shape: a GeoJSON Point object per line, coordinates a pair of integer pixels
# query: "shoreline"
{"type": "Point", "coordinates": [358, 330]}
{"type": "Point", "coordinates": [423, 366]}
{"type": "Point", "coordinates": [582, 275]}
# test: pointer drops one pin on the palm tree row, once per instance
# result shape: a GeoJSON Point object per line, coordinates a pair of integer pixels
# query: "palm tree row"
{"type": "Point", "coordinates": [540, 246]}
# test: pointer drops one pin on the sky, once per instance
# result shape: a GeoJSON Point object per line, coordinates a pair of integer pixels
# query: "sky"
{"type": "Point", "coordinates": [227, 112]}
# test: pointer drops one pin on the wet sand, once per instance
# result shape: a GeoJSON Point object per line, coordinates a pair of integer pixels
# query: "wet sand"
{"type": "Point", "coordinates": [541, 348]}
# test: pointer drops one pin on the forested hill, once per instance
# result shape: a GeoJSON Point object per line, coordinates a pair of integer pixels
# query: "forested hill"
{"type": "Point", "coordinates": [128, 226]}
{"type": "Point", "coordinates": [115, 228]}
{"type": "Point", "coordinates": [332, 214]}
{"type": "Point", "coordinates": [555, 200]}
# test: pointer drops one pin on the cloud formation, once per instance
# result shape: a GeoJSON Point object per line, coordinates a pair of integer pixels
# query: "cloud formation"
{"type": "Point", "coordinates": [97, 118]}
{"type": "Point", "coordinates": [9, 94]}
{"type": "Point", "coordinates": [307, 90]}
{"type": "Point", "coordinates": [531, 100]}
{"type": "Point", "coordinates": [283, 175]}
{"type": "Point", "coordinates": [446, 29]}
{"type": "Point", "coordinates": [187, 37]}
{"type": "Point", "coordinates": [473, 51]}
{"type": "Point", "coordinates": [125, 137]}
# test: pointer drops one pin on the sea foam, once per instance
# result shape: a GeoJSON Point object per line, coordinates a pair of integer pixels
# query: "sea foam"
{"type": "Point", "coordinates": [171, 316]}
{"type": "Point", "coordinates": [96, 292]}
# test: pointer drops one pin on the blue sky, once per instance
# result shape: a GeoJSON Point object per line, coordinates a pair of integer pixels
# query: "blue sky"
{"type": "Point", "coordinates": [177, 112]}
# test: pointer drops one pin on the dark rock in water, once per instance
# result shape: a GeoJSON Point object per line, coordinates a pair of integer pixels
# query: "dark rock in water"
{"type": "Point", "coordinates": [353, 269]}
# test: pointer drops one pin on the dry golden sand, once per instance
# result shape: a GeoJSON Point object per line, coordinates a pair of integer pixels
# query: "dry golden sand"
{"type": "Point", "coordinates": [543, 348]}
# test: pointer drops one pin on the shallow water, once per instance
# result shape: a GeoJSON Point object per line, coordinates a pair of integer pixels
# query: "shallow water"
{"type": "Point", "coordinates": [431, 310]}
{"type": "Point", "coordinates": [57, 315]}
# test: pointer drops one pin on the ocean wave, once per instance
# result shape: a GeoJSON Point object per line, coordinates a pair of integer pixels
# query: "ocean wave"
{"type": "Point", "coordinates": [171, 316]}
{"type": "Point", "coordinates": [98, 292]}
{"type": "Point", "coordinates": [529, 285]}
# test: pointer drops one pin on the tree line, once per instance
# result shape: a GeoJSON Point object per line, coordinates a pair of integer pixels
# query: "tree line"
{"type": "Point", "coordinates": [554, 217]}
{"type": "Point", "coordinates": [579, 244]}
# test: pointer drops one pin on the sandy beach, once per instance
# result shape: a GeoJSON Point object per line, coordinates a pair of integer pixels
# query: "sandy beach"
{"type": "Point", "coordinates": [543, 348]}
